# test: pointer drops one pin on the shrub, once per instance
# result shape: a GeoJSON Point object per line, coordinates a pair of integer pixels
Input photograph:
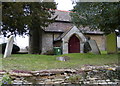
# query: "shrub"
{"type": "Point", "coordinates": [6, 80]}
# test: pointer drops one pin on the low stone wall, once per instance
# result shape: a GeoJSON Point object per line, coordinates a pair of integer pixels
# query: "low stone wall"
{"type": "Point", "coordinates": [85, 75]}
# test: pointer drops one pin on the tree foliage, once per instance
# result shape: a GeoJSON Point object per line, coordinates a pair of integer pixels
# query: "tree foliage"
{"type": "Point", "coordinates": [97, 15]}
{"type": "Point", "coordinates": [20, 17]}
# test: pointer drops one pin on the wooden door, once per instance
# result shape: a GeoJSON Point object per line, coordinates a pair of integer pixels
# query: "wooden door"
{"type": "Point", "coordinates": [74, 45]}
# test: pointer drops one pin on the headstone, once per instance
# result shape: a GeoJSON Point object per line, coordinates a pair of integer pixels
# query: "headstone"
{"type": "Point", "coordinates": [0, 57]}
{"type": "Point", "coordinates": [94, 47]}
{"type": "Point", "coordinates": [63, 58]}
{"type": "Point", "coordinates": [9, 46]}
{"type": "Point", "coordinates": [87, 47]}
{"type": "Point", "coordinates": [111, 43]}
{"type": "Point", "coordinates": [118, 42]}
{"type": "Point", "coordinates": [1, 49]}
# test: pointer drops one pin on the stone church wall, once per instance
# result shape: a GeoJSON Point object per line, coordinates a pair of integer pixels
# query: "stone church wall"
{"type": "Point", "coordinates": [100, 39]}
{"type": "Point", "coordinates": [49, 37]}
{"type": "Point", "coordinates": [47, 42]}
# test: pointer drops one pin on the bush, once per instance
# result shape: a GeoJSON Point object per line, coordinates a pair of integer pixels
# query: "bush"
{"type": "Point", "coordinates": [14, 50]}
{"type": "Point", "coordinates": [6, 80]}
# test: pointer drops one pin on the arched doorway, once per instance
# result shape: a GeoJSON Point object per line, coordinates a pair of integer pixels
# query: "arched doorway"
{"type": "Point", "coordinates": [74, 44]}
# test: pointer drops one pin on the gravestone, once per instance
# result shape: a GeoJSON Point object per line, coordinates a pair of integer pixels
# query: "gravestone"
{"type": "Point", "coordinates": [94, 47]}
{"type": "Point", "coordinates": [0, 49]}
{"type": "Point", "coordinates": [9, 46]}
{"type": "Point", "coordinates": [111, 43]}
{"type": "Point", "coordinates": [63, 58]}
{"type": "Point", "coordinates": [87, 47]}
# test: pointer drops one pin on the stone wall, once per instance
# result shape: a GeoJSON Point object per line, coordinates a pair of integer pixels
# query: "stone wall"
{"type": "Point", "coordinates": [48, 38]}
{"type": "Point", "coordinates": [56, 35]}
{"type": "Point", "coordinates": [100, 39]}
{"type": "Point", "coordinates": [88, 75]}
{"type": "Point", "coordinates": [47, 42]}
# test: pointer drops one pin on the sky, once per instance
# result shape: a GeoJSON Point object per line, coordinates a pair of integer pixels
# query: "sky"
{"type": "Point", "coordinates": [64, 4]}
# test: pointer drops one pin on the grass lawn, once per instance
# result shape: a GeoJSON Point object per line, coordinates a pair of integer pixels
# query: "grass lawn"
{"type": "Point", "coordinates": [38, 62]}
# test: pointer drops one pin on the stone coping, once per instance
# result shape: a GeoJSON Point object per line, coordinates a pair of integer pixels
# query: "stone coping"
{"type": "Point", "coordinates": [58, 71]}
{"type": "Point", "coordinates": [87, 74]}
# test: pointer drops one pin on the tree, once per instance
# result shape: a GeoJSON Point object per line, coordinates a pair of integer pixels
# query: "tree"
{"type": "Point", "coordinates": [27, 18]}
{"type": "Point", "coordinates": [97, 15]}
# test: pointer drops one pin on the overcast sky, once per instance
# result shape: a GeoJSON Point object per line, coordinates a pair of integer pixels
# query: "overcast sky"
{"type": "Point", "coordinates": [64, 4]}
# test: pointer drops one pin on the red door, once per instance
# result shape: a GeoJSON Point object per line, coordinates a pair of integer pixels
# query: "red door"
{"type": "Point", "coordinates": [74, 45]}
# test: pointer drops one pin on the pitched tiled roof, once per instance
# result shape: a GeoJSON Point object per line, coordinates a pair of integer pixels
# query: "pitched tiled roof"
{"type": "Point", "coordinates": [85, 30]}
{"type": "Point", "coordinates": [61, 36]}
{"type": "Point", "coordinates": [62, 15]}
{"type": "Point", "coordinates": [58, 27]}
{"type": "Point", "coordinates": [89, 31]}
{"type": "Point", "coordinates": [63, 23]}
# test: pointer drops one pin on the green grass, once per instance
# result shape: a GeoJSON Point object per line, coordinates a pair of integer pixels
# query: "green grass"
{"type": "Point", "coordinates": [38, 62]}
{"type": "Point", "coordinates": [103, 52]}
